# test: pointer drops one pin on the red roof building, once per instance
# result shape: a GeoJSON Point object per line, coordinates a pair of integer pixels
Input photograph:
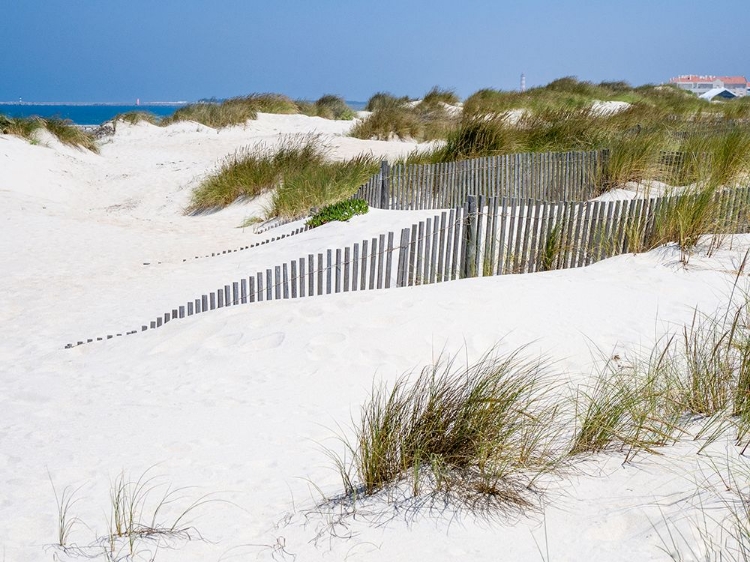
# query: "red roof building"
{"type": "Point", "coordinates": [700, 84]}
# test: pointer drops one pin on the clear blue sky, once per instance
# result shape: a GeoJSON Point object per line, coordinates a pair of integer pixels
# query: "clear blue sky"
{"type": "Point", "coordinates": [113, 50]}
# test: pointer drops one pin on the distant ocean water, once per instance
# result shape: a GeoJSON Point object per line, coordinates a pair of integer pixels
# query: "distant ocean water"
{"type": "Point", "coordinates": [82, 114]}
{"type": "Point", "coordinates": [96, 114]}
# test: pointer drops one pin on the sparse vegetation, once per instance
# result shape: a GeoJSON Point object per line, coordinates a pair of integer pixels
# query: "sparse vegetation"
{"type": "Point", "coordinates": [480, 435]}
{"type": "Point", "coordinates": [144, 515]}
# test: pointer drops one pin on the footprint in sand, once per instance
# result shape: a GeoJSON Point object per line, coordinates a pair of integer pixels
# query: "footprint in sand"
{"type": "Point", "coordinates": [270, 341]}
{"type": "Point", "coordinates": [329, 338]}
{"type": "Point", "coordinates": [326, 345]}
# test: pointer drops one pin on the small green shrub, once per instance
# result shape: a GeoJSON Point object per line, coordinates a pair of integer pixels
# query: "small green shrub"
{"type": "Point", "coordinates": [341, 211]}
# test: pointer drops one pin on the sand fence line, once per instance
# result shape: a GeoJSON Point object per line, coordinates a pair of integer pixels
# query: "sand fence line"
{"type": "Point", "coordinates": [487, 236]}
{"type": "Point", "coordinates": [295, 232]}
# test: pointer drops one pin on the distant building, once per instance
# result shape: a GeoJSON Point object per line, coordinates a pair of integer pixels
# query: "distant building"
{"type": "Point", "coordinates": [722, 93]}
{"type": "Point", "coordinates": [700, 85]}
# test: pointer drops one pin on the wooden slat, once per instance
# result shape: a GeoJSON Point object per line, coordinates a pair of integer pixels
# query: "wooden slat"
{"type": "Point", "coordinates": [363, 272]}
{"type": "Point", "coordinates": [338, 270]}
{"type": "Point", "coordinates": [330, 265]}
{"type": "Point", "coordinates": [418, 280]}
{"type": "Point", "coordinates": [355, 267]}
{"type": "Point", "coordinates": [449, 246]}
{"type": "Point", "coordinates": [389, 261]}
{"type": "Point", "coordinates": [441, 253]}
{"type": "Point", "coordinates": [285, 277]}
{"type": "Point", "coordinates": [373, 262]}
{"type": "Point", "coordinates": [347, 262]}
{"type": "Point", "coordinates": [425, 272]}
{"type": "Point", "coordinates": [302, 279]}
{"type": "Point", "coordinates": [320, 272]}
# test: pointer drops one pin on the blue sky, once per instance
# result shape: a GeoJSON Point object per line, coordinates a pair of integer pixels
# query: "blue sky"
{"type": "Point", "coordinates": [112, 50]}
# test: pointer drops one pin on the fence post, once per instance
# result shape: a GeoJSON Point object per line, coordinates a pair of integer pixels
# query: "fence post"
{"type": "Point", "coordinates": [469, 266]}
{"type": "Point", "coordinates": [384, 184]}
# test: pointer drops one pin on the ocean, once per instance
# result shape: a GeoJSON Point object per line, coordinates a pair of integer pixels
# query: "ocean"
{"type": "Point", "coordinates": [94, 114]}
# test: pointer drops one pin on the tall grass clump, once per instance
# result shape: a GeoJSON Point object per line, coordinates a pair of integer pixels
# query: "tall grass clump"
{"type": "Point", "coordinates": [232, 111]}
{"type": "Point", "coordinates": [23, 127]}
{"type": "Point", "coordinates": [439, 95]}
{"type": "Point", "coordinates": [382, 100]}
{"type": "Point", "coordinates": [67, 133]}
{"type": "Point", "coordinates": [630, 407]}
{"type": "Point", "coordinates": [216, 115]}
{"type": "Point", "coordinates": [685, 218]}
{"type": "Point", "coordinates": [305, 189]}
{"type": "Point", "coordinates": [63, 129]}
{"type": "Point", "coordinates": [479, 433]}
{"type": "Point", "coordinates": [297, 169]}
{"type": "Point", "coordinates": [387, 123]}
{"type": "Point", "coordinates": [394, 117]}
{"type": "Point", "coordinates": [333, 107]}
{"type": "Point", "coordinates": [474, 138]}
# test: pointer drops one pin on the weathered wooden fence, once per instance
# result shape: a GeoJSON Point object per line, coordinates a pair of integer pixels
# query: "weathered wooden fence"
{"type": "Point", "coordinates": [487, 236]}
{"type": "Point", "coordinates": [565, 176]}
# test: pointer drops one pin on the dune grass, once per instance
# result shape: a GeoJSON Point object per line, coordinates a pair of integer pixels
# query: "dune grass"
{"type": "Point", "coordinates": [63, 129]}
{"type": "Point", "coordinates": [297, 170]}
{"type": "Point", "coordinates": [664, 134]}
{"type": "Point", "coordinates": [23, 127]}
{"type": "Point", "coordinates": [239, 110]}
{"type": "Point", "coordinates": [134, 117]}
{"type": "Point", "coordinates": [401, 118]}
{"type": "Point", "coordinates": [381, 100]}
{"type": "Point", "coordinates": [479, 434]}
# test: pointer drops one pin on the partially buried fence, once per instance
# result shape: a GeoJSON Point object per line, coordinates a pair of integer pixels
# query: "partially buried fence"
{"type": "Point", "coordinates": [487, 236]}
{"type": "Point", "coordinates": [553, 176]}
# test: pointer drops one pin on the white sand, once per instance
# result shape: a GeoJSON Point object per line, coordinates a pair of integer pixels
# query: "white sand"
{"type": "Point", "coordinates": [240, 401]}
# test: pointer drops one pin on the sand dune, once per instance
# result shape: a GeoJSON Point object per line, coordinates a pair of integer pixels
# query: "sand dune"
{"type": "Point", "coordinates": [239, 402]}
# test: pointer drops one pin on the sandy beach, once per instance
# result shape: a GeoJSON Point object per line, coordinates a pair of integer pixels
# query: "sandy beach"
{"type": "Point", "coordinates": [238, 405]}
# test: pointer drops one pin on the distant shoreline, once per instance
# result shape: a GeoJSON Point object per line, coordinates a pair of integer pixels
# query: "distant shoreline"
{"type": "Point", "coordinates": [92, 104]}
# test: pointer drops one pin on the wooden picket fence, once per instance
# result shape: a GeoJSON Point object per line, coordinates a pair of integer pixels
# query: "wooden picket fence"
{"type": "Point", "coordinates": [486, 236]}
{"type": "Point", "coordinates": [564, 176]}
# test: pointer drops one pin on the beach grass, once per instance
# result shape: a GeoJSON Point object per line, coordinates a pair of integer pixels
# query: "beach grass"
{"type": "Point", "coordinates": [135, 117]}
{"type": "Point", "coordinates": [478, 434]}
{"type": "Point", "coordinates": [490, 429]}
{"type": "Point", "coordinates": [401, 118]}
{"type": "Point", "coordinates": [297, 170]}
{"type": "Point", "coordinates": [63, 129]}
{"type": "Point", "coordinates": [240, 110]}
